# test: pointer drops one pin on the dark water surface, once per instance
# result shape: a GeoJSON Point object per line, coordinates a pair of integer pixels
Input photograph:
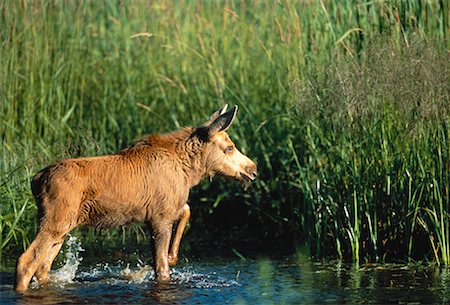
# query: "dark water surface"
{"type": "Point", "coordinates": [235, 281]}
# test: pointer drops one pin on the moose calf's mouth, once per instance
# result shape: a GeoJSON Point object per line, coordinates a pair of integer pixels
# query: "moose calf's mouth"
{"type": "Point", "coordinates": [246, 181]}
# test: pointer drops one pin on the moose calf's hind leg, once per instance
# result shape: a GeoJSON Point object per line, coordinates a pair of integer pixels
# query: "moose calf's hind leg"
{"type": "Point", "coordinates": [31, 259]}
{"type": "Point", "coordinates": [173, 254]}
{"type": "Point", "coordinates": [43, 270]}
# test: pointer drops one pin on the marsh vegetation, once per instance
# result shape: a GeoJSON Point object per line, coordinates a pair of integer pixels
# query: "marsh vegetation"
{"type": "Point", "coordinates": [345, 106]}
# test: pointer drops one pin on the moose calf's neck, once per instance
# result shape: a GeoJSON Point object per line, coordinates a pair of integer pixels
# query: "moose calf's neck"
{"type": "Point", "coordinates": [186, 146]}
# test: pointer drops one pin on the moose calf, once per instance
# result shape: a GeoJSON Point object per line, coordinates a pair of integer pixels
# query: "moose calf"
{"type": "Point", "coordinates": [146, 182]}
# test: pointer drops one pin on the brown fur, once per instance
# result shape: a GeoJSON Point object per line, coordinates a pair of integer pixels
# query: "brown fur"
{"type": "Point", "coordinates": [146, 182]}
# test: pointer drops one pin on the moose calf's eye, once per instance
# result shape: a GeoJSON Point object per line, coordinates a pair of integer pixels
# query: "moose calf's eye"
{"type": "Point", "coordinates": [229, 149]}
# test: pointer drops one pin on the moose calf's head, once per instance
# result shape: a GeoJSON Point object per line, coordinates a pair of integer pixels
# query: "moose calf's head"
{"type": "Point", "coordinates": [222, 156]}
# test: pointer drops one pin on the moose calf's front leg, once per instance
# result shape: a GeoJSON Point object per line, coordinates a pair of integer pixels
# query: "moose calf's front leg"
{"type": "Point", "coordinates": [184, 218]}
{"type": "Point", "coordinates": [162, 233]}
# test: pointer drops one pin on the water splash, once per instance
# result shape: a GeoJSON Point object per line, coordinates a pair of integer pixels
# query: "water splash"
{"type": "Point", "coordinates": [143, 273]}
{"type": "Point", "coordinates": [186, 276]}
{"type": "Point", "coordinates": [194, 279]}
{"type": "Point", "coordinates": [67, 273]}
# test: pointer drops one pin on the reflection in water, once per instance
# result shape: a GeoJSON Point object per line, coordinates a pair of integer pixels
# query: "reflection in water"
{"type": "Point", "coordinates": [294, 281]}
{"type": "Point", "coordinates": [168, 293]}
{"type": "Point", "coordinates": [444, 282]}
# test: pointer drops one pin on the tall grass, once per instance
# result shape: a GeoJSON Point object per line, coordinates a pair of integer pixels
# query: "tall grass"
{"type": "Point", "coordinates": [375, 157]}
{"type": "Point", "coordinates": [343, 166]}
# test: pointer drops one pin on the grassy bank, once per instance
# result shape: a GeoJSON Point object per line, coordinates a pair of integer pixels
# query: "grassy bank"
{"type": "Point", "coordinates": [344, 106]}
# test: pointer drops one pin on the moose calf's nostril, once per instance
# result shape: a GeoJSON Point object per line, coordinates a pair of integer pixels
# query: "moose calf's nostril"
{"type": "Point", "coordinates": [252, 171]}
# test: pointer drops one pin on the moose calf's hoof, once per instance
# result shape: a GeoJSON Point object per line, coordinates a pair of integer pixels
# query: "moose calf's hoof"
{"type": "Point", "coordinates": [20, 289]}
{"type": "Point", "coordinates": [163, 278]}
{"type": "Point", "coordinates": [173, 259]}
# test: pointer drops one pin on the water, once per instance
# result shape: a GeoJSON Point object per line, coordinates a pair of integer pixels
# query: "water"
{"type": "Point", "coordinates": [233, 281]}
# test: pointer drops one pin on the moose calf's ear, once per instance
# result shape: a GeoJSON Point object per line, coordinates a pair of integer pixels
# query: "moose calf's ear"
{"type": "Point", "coordinates": [216, 114]}
{"type": "Point", "coordinates": [223, 122]}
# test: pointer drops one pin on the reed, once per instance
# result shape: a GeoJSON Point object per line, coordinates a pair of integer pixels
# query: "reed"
{"type": "Point", "coordinates": [344, 104]}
